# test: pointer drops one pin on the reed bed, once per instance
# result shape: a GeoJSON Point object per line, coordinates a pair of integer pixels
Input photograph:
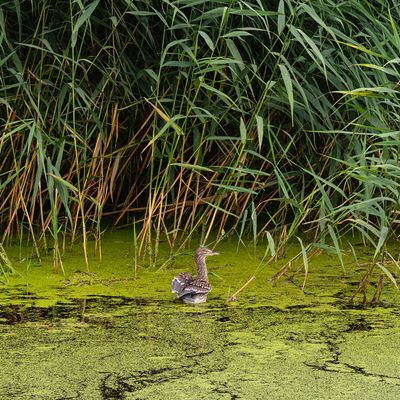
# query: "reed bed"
{"type": "Point", "coordinates": [259, 119]}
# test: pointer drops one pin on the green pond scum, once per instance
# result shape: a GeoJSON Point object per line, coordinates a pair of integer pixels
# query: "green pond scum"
{"type": "Point", "coordinates": [113, 334]}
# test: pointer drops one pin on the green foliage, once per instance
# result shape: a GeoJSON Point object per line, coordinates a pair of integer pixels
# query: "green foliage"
{"type": "Point", "coordinates": [6, 267]}
{"type": "Point", "coordinates": [198, 115]}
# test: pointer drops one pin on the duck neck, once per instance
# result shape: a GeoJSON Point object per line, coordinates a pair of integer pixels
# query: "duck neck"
{"type": "Point", "coordinates": [201, 268]}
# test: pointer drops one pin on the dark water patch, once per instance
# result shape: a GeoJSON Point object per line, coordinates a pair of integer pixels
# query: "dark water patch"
{"type": "Point", "coordinates": [110, 303]}
{"type": "Point", "coordinates": [299, 307]}
{"type": "Point", "coordinates": [359, 325]}
{"type": "Point", "coordinates": [353, 283]}
{"type": "Point", "coordinates": [114, 388]}
{"type": "Point", "coordinates": [223, 318]}
{"type": "Point", "coordinates": [349, 305]}
{"type": "Point", "coordinates": [345, 368]}
{"type": "Point", "coordinates": [344, 301]}
{"type": "Point", "coordinates": [79, 309]}
{"type": "Point", "coordinates": [101, 310]}
{"type": "Point", "coordinates": [222, 389]}
{"type": "Point", "coordinates": [117, 386]}
{"type": "Point", "coordinates": [19, 314]}
{"type": "Point", "coordinates": [356, 305]}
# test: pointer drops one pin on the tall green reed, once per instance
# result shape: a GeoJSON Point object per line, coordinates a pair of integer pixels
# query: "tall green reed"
{"type": "Point", "coordinates": [198, 116]}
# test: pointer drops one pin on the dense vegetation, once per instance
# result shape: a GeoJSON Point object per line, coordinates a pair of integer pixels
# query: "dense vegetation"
{"type": "Point", "coordinates": [260, 118]}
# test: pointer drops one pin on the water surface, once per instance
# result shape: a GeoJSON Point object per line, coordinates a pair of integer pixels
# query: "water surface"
{"type": "Point", "coordinates": [110, 335]}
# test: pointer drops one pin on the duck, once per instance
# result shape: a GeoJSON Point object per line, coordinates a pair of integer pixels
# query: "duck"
{"type": "Point", "coordinates": [194, 290]}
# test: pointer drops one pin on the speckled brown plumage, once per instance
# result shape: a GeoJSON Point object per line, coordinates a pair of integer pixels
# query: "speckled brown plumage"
{"type": "Point", "coordinates": [194, 290]}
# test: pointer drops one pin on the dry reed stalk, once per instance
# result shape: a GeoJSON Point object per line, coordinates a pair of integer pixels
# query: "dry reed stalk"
{"type": "Point", "coordinates": [236, 294]}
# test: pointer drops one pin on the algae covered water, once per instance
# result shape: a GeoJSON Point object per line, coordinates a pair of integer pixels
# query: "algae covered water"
{"type": "Point", "coordinates": [111, 335]}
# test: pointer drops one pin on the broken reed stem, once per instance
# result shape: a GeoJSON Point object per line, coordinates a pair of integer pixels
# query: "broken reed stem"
{"type": "Point", "coordinates": [363, 285]}
{"type": "Point", "coordinates": [234, 296]}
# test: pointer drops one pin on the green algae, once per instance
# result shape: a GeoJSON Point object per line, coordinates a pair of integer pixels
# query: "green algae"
{"type": "Point", "coordinates": [113, 335]}
{"type": "Point", "coordinates": [231, 353]}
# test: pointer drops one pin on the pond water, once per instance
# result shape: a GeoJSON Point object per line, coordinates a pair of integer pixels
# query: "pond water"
{"type": "Point", "coordinates": [110, 335]}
